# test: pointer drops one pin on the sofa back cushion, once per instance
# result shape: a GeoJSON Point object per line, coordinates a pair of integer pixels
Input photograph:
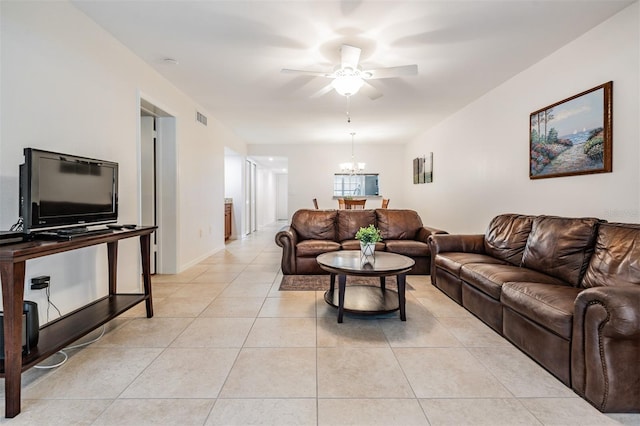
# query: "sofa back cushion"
{"type": "Point", "coordinates": [398, 224]}
{"type": "Point", "coordinates": [506, 237]}
{"type": "Point", "coordinates": [350, 221]}
{"type": "Point", "coordinates": [616, 258]}
{"type": "Point", "coordinates": [315, 224]}
{"type": "Point", "coordinates": [561, 247]}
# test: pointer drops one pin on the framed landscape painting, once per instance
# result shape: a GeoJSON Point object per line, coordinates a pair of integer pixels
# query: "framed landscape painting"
{"type": "Point", "coordinates": [573, 136]}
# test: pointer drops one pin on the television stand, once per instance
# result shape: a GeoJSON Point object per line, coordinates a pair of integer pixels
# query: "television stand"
{"type": "Point", "coordinates": [67, 329]}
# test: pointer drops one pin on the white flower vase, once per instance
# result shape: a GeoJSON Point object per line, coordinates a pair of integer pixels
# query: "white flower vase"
{"type": "Point", "coordinates": [367, 253]}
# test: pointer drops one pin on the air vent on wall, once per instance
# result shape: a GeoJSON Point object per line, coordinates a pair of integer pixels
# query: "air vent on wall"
{"type": "Point", "coordinates": [201, 118]}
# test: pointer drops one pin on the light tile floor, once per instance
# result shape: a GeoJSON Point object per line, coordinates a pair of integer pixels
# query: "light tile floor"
{"type": "Point", "coordinates": [225, 347]}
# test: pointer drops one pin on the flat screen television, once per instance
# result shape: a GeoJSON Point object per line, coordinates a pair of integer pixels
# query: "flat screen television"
{"type": "Point", "coordinates": [61, 191]}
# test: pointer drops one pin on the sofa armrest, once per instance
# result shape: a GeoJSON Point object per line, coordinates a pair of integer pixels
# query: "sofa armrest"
{"type": "Point", "coordinates": [605, 345]}
{"type": "Point", "coordinates": [441, 243]}
{"type": "Point", "coordinates": [426, 231]}
{"type": "Point", "coordinates": [287, 238]}
{"type": "Point", "coordinates": [615, 311]}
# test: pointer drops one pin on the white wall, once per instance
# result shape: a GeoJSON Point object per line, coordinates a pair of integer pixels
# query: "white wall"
{"type": "Point", "coordinates": [481, 153]}
{"type": "Point", "coordinates": [68, 86]}
{"type": "Point", "coordinates": [311, 169]}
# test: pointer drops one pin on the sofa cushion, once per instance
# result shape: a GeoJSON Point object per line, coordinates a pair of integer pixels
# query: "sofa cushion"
{"type": "Point", "coordinates": [453, 261]}
{"type": "Point", "coordinates": [398, 224]}
{"type": "Point", "coordinates": [408, 247]}
{"type": "Point", "coordinates": [308, 248]}
{"type": "Point", "coordinates": [560, 246]}
{"type": "Point", "coordinates": [616, 258]}
{"type": "Point", "coordinates": [506, 237]}
{"type": "Point", "coordinates": [315, 224]}
{"type": "Point", "coordinates": [489, 278]}
{"type": "Point", "coordinates": [551, 306]}
{"type": "Point", "coordinates": [350, 221]}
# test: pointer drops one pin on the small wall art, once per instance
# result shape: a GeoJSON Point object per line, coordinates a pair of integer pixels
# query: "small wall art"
{"type": "Point", "coordinates": [573, 136]}
{"type": "Point", "coordinates": [423, 169]}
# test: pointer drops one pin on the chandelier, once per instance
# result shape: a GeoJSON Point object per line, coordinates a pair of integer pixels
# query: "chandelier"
{"type": "Point", "coordinates": [352, 167]}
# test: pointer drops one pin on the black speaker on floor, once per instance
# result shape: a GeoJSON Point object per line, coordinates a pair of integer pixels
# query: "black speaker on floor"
{"type": "Point", "coordinates": [30, 328]}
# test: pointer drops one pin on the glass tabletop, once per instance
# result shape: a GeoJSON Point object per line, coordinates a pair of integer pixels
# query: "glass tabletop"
{"type": "Point", "coordinates": [350, 262]}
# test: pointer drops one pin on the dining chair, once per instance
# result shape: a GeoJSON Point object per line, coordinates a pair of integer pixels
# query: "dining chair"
{"type": "Point", "coordinates": [355, 204]}
{"type": "Point", "coordinates": [315, 203]}
{"type": "Point", "coordinates": [385, 203]}
{"type": "Point", "coordinates": [341, 204]}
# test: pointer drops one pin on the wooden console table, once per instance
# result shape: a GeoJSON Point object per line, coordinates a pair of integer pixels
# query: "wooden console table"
{"type": "Point", "coordinates": [67, 329]}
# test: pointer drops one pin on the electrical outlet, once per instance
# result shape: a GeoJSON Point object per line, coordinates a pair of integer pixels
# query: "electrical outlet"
{"type": "Point", "coordinates": [38, 283]}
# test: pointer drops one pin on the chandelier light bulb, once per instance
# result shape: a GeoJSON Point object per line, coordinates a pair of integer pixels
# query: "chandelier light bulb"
{"type": "Point", "coordinates": [345, 167]}
{"type": "Point", "coordinates": [352, 167]}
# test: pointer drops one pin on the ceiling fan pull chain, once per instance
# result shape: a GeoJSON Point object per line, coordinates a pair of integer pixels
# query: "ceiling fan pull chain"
{"type": "Point", "coordinates": [348, 108]}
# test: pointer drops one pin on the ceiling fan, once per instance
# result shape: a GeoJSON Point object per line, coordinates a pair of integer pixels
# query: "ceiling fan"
{"type": "Point", "coordinates": [348, 77]}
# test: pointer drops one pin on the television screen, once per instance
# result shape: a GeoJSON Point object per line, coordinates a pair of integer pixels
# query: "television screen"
{"type": "Point", "coordinates": [60, 190]}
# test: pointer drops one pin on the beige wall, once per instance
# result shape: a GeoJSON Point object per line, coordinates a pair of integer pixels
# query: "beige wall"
{"type": "Point", "coordinates": [69, 86]}
{"type": "Point", "coordinates": [481, 160]}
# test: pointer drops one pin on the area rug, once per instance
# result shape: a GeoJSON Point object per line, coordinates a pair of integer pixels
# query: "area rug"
{"type": "Point", "coordinates": [321, 282]}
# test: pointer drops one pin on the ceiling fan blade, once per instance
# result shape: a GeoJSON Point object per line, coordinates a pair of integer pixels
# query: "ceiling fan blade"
{"type": "Point", "coordinates": [326, 89]}
{"type": "Point", "coordinates": [392, 71]}
{"type": "Point", "coordinates": [313, 73]}
{"type": "Point", "coordinates": [350, 56]}
{"type": "Point", "coordinates": [371, 92]}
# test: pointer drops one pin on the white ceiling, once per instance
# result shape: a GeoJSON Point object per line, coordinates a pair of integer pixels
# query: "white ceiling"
{"type": "Point", "coordinates": [230, 54]}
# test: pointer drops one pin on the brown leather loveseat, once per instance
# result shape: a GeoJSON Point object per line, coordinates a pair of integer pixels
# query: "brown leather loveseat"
{"type": "Point", "coordinates": [313, 232]}
{"type": "Point", "coordinates": [566, 291]}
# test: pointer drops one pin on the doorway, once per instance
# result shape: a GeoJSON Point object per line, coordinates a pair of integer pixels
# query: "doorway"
{"type": "Point", "coordinates": [157, 192]}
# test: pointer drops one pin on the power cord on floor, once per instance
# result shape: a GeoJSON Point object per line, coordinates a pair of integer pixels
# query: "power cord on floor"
{"type": "Point", "coordinates": [62, 351]}
{"type": "Point", "coordinates": [64, 354]}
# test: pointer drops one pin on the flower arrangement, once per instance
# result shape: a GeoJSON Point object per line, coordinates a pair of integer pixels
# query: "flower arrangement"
{"type": "Point", "coordinates": [370, 234]}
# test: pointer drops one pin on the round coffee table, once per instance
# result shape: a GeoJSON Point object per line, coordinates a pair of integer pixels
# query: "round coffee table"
{"type": "Point", "coordinates": [364, 299]}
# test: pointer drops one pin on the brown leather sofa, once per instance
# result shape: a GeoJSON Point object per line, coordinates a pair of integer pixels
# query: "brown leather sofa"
{"type": "Point", "coordinates": [566, 291]}
{"type": "Point", "coordinates": [313, 232]}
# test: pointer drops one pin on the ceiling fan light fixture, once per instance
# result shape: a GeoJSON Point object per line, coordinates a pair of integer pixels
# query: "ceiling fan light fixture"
{"type": "Point", "coordinates": [347, 85]}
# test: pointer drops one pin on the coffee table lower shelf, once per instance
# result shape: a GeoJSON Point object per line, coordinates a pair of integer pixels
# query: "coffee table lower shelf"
{"type": "Point", "coordinates": [365, 299]}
